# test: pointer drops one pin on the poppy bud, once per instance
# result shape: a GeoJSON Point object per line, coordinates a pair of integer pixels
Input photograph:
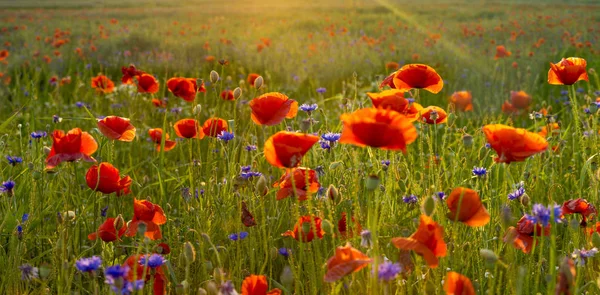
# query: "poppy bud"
{"type": "Point", "coordinates": [305, 125]}
{"type": "Point", "coordinates": [593, 108]}
{"type": "Point", "coordinates": [36, 175]}
{"type": "Point", "coordinates": [208, 266]}
{"type": "Point", "coordinates": [119, 222]}
{"type": "Point", "coordinates": [596, 239]}
{"type": "Point", "coordinates": [428, 206]}
{"type": "Point", "coordinates": [46, 150]}
{"type": "Point", "coordinates": [467, 140]}
{"type": "Point", "coordinates": [332, 192]}
{"type": "Point", "coordinates": [214, 77]}
{"type": "Point", "coordinates": [212, 289]}
{"type": "Point", "coordinates": [372, 182]}
{"type": "Point", "coordinates": [524, 199]}
{"type": "Point", "coordinates": [287, 276]}
{"type": "Point", "coordinates": [44, 271]}
{"type": "Point", "coordinates": [202, 291]}
{"type": "Point", "coordinates": [142, 227]}
{"type": "Point", "coordinates": [489, 256]}
{"type": "Point", "coordinates": [182, 288]}
{"type": "Point", "coordinates": [325, 225]}
{"type": "Point", "coordinates": [334, 165]}
{"type": "Point", "coordinates": [506, 216]}
{"type": "Point", "coordinates": [30, 166]}
{"type": "Point", "coordinates": [197, 109]}
{"type": "Point", "coordinates": [262, 188]}
{"type": "Point", "coordinates": [258, 83]}
{"type": "Point", "coordinates": [190, 252]}
{"type": "Point", "coordinates": [237, 93]}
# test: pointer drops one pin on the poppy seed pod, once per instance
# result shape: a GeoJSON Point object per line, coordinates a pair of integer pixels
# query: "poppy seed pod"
{"type": "Point", "coordinates": [237, 93]}
{"type": "Point", "coordinates": [326, 226]}
{"type": "Point", "coordinates": [202, 291]}
{"type": "Point", "coordinates": [524, 199]}
{"type": "Point", "coordinates": [258, 83]}
{"type": "Point", "coordinates": [488, 255]}
{"type": "Point", "coordinates": [467, 140]}
{"type": "Point", "coordinates": [262, 188]}
{"type": "Point", "coordinates": [372, 182]}
{"type": "Point", "coordinates": [214, 76]}
{"type": "Point", "coordinates": [197, 109]}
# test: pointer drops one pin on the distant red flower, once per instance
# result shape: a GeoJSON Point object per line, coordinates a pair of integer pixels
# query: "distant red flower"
{"type": "Point", "coordinates": [434, 115]}
{"type": "Point", "coordinates": [146, 83]}
{"type": "Point", "coordinates": [4, 54]}
{"type": "Point", "coordinates": [106, 179]}
{"type": "Point", "coordinates": [298, 182]}
{"type": "Point", "coordinates": [520, 99]}
{"type": "Point", "coordinates": [156, 136]}
{"type": "Point", "coordinates": [568, 71]}
{"type": "Point", "coordinates": [306, 229]}
{"type": "Point", "coordinates": [117, 128]}
{"type": "Point", "coordinates": [150, 214]}
{"type": "Point", "coordinates": [188, 128]}
{"type": "Point", "coordinates": [427, 241]}
{"type": "Point", "coordinates": [502, 52]}
{"type": "Point", "coordinates": [394, 100]}
{"type": "Point", "coordinates": [227, 95]}
{"type": "Point", "coordinates": [465, 206]}
{"type": "Point", "coordinates": [129, 73]}
{"type": "Point", "coordinates": [457, 284]}
{"type": "Point", "coordinates": [462, 100]}
{"type": "Point", "coordinates": [214, 126]}
{"type": "Point", "coordinates": [346, 260]}
{"type": "Point", "coordinates": [521, 237]}
{"type": "Point", "coordinates": [103, 84]}
{"type": "Point", "coordinates": [272, 108]}
{"type": "Point", "coordinates": [346, 231]}
{"type": "Point", "coordinates": [251, 78]}
{"type": "Point", "coordinates": [285, 149]}
{"type": "Point", "coordinates": [137, 272]}
{"type": "Point", "coordinates": [185, 88]}
{"type": "Point", "coordinates": [73, 146]}
{"type": "Point", "coordinates": [108, 232]}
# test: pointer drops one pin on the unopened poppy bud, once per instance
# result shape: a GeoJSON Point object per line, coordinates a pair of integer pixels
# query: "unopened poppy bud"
{"type": "Point", "coordinates": [335, 165]}
{"type": "Point", "coordinates": [208, 266]}
{"type": "Point", "coordinates": [30, 166]}
{"type": "Point", "coordinates": [46, 150]}
{"type": "Point", "coordinates": [305, 125]}
{"type": "Point", "coordinates": [214, 77]}
{"type": "Point", "coordinates": [506, 216]}
{"type": "Point", "coordinates": [44, 271]}
{"type": "Point", "coordinates": [142, 227]}
{"type": "Point", "coordinates": [197, 109]}
{"type": "Point", "coordinates": [36, 175]}
{"type": "Point", "coordinates": [428, 206]}
{"type": "Point", "coordinates": [190, 252]}
{"type": "Point", "coordinates": [287, 276]}
{"type": "Point", "coordinates": [258, 83]}
{"type": "Point", "coordinates": [325, 225]}
{"type": "Point", "coordinates": [212, 289]}
{"type": "Point", "coordinates": [524, 199]}
{"type": "Point", "coordinates": [180, 288]}
{"type": "Point", "coordinates": [467, 140]}
{"type": "Point", "coordinates": [488, 255]}
{"type": "Point", "coordinates": [237, 93]}
{"type": "Point", "coordinates": [332, 192]}
{"type": "Point", "coordinates": [202, 291]}
{"type": "Point", "coordinates": [262, 188]}
{"type": "Point", "coordinates": [596, 239]}
{"type": "Point", "coordinates": [372, 182]}
{"type": "Point", "coordinates": [119, 222]}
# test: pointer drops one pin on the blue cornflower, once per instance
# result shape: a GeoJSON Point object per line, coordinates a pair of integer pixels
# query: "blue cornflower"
{"type": "Point", "coordinates": [225, 136]}
{"type": "Point", "coordinates": [441, 195]}
{"type": "Point", "coordinates": [520, 191]}
{"type": "Point", "coordinates": [243, 235]}
{"type": "Point", "coordinates": [581, 255]}
{"type": "Point", "coordinates": [246, 168]}
{"type": "Point", "coordinates": [412, 199]}
{"type": "Point", "coordinates": [14, 160]}
{"type": "Point", "coordinates": [7, 186]}
{"type": "Point", "coordinates": [285, 252]}
{"type": "Point", "coordinates": [104, 211]}
{"type": "Point", "coordinates": [227, 288]}
{"type": "Point", "coordinates": [331, 137]}
{"type": "Point", "coordinates": [321, 90]}
{"type": "Point", "coordinates": [308, 107]}
{"type": "Point", "coordinates": [387, 271]}
{"type": "Point", "coordinates": [28, 272]}
{"type": "Point", "coordinates": [240, 236]}
{"type": "Point", "coordinates": [38, 134]}
{"type": "Point", "coordinates": [542, 215]}
{"type": "Point", "coordinates": [80, 104]}
{"type": "Point", "coordinates": [153, 261]}
{"type": "Point", "coordinates": [487, 145]}
{"type": "Point", "coordinates": [25, 217]}
{"type": "Point", "coordinates": [580, 90]}
{"type": "Point", "coordinates": [250, 174]}
{"type": "Point", "coordinates": [19, 229]}
{"type": "Point", "coordinates": [410, 99]}
{"type": "Point", "coordinates": [176, 110]}
{"type": "Point", "coordinates": [115, 272]}
{"type": "Point", "coordinates": [233, 237]}
{"type": "Point", "coordinates": [385, 163]}
{"type": "Point", "coordinates": [325, 145]}
{"type": "Point", "coordinates": [56, 119]}
{"type": "Point", "coordinates": [88, 264]}
{"type": "Point", "coordinates": [564, 92]}
{"type": "Point", "coordinates": [479, 171]}
{"type": "Point", "coordinates": [251, 148]}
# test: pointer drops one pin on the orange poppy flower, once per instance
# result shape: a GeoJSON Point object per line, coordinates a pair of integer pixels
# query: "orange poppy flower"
{"type": "Point", "coordinates": [392, 65]}
{"type": "Point", "coordinates": [227, 95]}
{"type": "Point", "coordinates": [394, 100]}
{"type": "Point", "coordinates": [521, 237]}
{"type": "Point", "coordinates": [520, 99]}
{"type": "Point", "coordinates": [103, 84]}
{"type": "Point", "coordinates": [384, 129]}
{"type": "Point", "coordinates": [418, 76]}
{"type": "Point", "coordinates": [146, 83]}
{"type": "Point", "coordinates": [595, 228]}
{"type": "Point", "coordinates": [508, 108]}
{"type": "Point", "coordinates": [251, 78]}
{"type": "Point", "coordinates": [150, 214]}
{"type": "Point", "coordinates": [136, 272]}
{"type": "Point", "coordinates": [346, 260]}
{"type": "Point", "coordinates": [214, 126]}
{"type": "Point", "coordinates": [502, 52]}
{"type": "Point", "coordinates": [457, 284]}
{"type": "Point", "coordinates": [462, 100]}
{"type": "Point", "coordinates": [257, 285]}
{"type": "Point", "coordinates": [272, 108]}
{"type": "Point", "coordinates": [156, 137]}
{"type": "Point", "coordinates": [129, 73]}
{"type": "Point", "coordinates": [427, 241]}
{"type": "Point", "coordinates": [188, 128]}
{"type": "Point", "coordinates": [117, 128]}
{"type": "Point", "coordinates": [297, 182]}
{"type": "Point", "coordinates": [107, 180]}
{"type": "Point", "coordinates": [513, 144]}
{"type": "Point", "coordinates": [73, 146]}
{"type": "Point", "coordinates": [185, 88]}
{"type": "Point", "coordinates": [580, 206]}
{"type": "Point", "coordinates": [306, 229]}
{"type": "Point", "coordinates": [107, 231]}
{"type": "Point", "coordinates": [567, 71]}
{"type": "Point", "coordinates": [544, 131]}
{"type": "Point", "coordinates": [159, 103]}
{"type": "Point", "coordinates": [346, 232]}
{"type": "Point", "coordinates": [4, 54]}
{"type": "Point", "coordinates": [285, 149]}
{"type": "Point", "coordinates": [466, 207]}
{"type": "Point", "coordinates": [434, 115]}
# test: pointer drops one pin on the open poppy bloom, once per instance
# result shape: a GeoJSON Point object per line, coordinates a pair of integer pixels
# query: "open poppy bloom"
{"type": "Point", "coordinates": [185, 88]}
{"type": "Point", "coordinates": [462, 100]}
{"type": "Point", "coordinates": [251, 78]}
{"type": "Point", "coordinates": [434, 115]}
{"type": "Point", "coordinates": [214, 126]}
{"type": "Point", "coordinates": [508, 108]}
{"type": "Point", "coordinates": [227, 95]}
{"type": "Point", "coordinates": [108, 231]}
{"type": "Point", "coordinates": [346, 260]}
{"type": "Point", "coordinates": [257, 285]}
{"type": "Point", "coordinates": [513, 144]}
{"type": "Point", "coordinates": [345, 231]}
{"type": "Point", "coordinates": [285, 149]}
{"type": "Point", "coordinates": [521, 237]}
{"type": "Point", "coordinates": [129, 73]}
{"type": "Point", "coordinates": [137, 270]}
{"type": "Point", "coordinates": [465, 206]}
{"type": "Point", "coordinates": [146, 83]}
{"type": "Point", "coordinates": [384, 129]}
{"type": "Point", "coordinates": [117, 128]}
{"type": "Point", "coordinates": [520, 99]}
{"type": "Point", "coordinates": [298, 182]}
{"type": "Point", "coordinates": [106, 180]}
{"type": "Point", "coordinates": [188, 128]}
{"type": "Point", "coordinates": [272, 108]}
{"type": "Point", "coordinates": [103, 84]}
{"type": "Point", "coordinates": [502, 52]}
{"type": "Point", "coordinates": [73, 146]}
{"type": "Point", "coordinates": [4, 54]}
{"type": "Point", "coordinates": [394, 100]}
{"type": "Point", "coordinates": [150, 214]}
{"type": "Point", "coordinates": [457, 284]}
{"type": "Point", "coordinates": [156, 137]}
{"type": "Point", "coordinates": [427, 241]}
{"type": "Point", "coordinates": [306, 229]}
{"type": "Point", "coordinates": [567, 71]}
{"type": "Point", "coordinates": [417, 76]}
{"type": "Point", "coordinates": [159, 103]}
{"type": "Point", "coordinates": [580, 206]}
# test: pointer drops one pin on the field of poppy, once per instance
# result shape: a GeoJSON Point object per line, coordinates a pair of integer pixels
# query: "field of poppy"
{"type": "Point", "coordinates": [299, 147]}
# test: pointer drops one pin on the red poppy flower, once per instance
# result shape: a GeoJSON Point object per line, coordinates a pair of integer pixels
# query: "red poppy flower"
{"type": "Point", "coordinates": [394, 100]}
{"type": "Point", "coordinates": [520, 99]}
{"type": "Point", "coordinates": [146, 83]}
{"type": "Point", "coordinates": [306, 229]}
{"type": "Point", "coordinates": [513, 144]}
{"type": "Point", "coordinates": [502, 52]}
{"type": "Point", "coordinates": [73, 146]}
{"type": "Point", "coordinates": [434, 115]}
{"type": "Point", "coordinates": [521, 237]}
{"type": "Point", "coordinates": [227, 95]}
{"type": "Point", "coordinates": [345, 231]}
{"type": "Point", "coordinates": [427, 241]}
{"type": "Point", "coordinates": [107, 180]}
{"type": "Point", "coordinates": [129, 73]}
{"type": "Point", "coordinates": [508, 108]}
{"type": "Point", "coordinates": [137, 271]}
{"type": "Point", "coordinates": [156, 136]}
{"type": "Point", "coordinates": [163, 248]}
{"type": "Point", "coordinates": [150, 214]}
{"type": "Point", "coordinates": [285, 149]}
{"type": "Point", "coordinates": [553, 126]}
{"type": "Point", "coordinates": [579, 206]}
{"type": "Point", "coordinates": [4, 54]}
{"type": "Point", "coordinates": [465, 206]}
{"type": "Point", "coordinates": [103, 84]}
{"type": "Point", "coordinates": [108, 232]}
{"type": "Point", "coordinates": [117, 128]}
{"type": "Point", "coordinates": [272, 108]}
{"type": "Point", "coordinates": [457, 284]}
{"type": "Point", "coordinates": [185, 88]}
{"type": "Point", "coordinates": [214, 126]}
{"type": "Point", "coordinates": [392, 65]}
{"type": "Point", "coordinates": [566, 277]}
{"type": "Point", "coordinates": [385, 129]}
{"type": "Point", "coordinates": [304, 180]}
{"type": "Point", "coordinates": [462, 100]}
{"type": "Point", "coordinates": [346, 260]}
{"type": "Point", "coordinates": [188, 128]}
{"type": "Point", "coordinates": [257, 285]}
{"type": "Point", "coordinates": [251, 78]}
{"type": "Point", "coordinates": [159, 103]}
{"type": "Point", "coordinates": [567, 71]}
{"type": "Point", "coordinates": [417, 76]}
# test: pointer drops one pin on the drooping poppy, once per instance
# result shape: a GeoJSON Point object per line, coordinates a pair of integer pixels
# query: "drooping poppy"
{"type": "Point", "coordinates": [251, 78]}
{"type": "Point", "coordinates": [103, 84]}
{"type": "Point", "coordinates": [567, 71]}
{"type": "Point", "coordinates": [466, 207]}
{"type": "Point", "coordinates": [146, 83]}
{"type": "Point", "coordinates": [188, 128]}
{"type": "Point", "coordinates": [298, 182]}
{"type": "Point", "coordinates": [108, 231]}
{"type": "Point", "coordinates": [346, 260]}
{"type": "Point", "coordinates": [185, 88]}
{"type": "Point", "coordinates": [462, 100]}
{"type": "Point", "coordinates": [306, 229]}
{"type": "Point", "coordinates": [427, 241]}
{"type": "Point", "coordinates": [394, 100]}
{"type": "Point", "coordinates": [257, 285]}
{"type": "Point", "coordinates": [129, 73]}
{"type": "Point", "coordinates": [579, 206]}
{"type": "Point", "coordinates": [117, 128]}
{"type": "Point", "coordinates": [346, 231]}
{"type": "Point", "coordinates": [513, 144]}
{"type": "Point", "coordinates": [106, 179]}
{"type": "Point", "coordinates": [151, 214]}
{"type": "Point", "coordinates": [384, 129]}
{"type": "Point", "coordinates": [457, 284]}
{"type": "Point", "coordinates": [156, 137]}
{"type": "Point", "coordinates": [434, 115]}
{"type": "Point", "coordinates": [227, 95]}
{"type": "Point", "coordinates": [69, 147]}
{"type": "Point", "coordinates": [285, 149]}
{"type": "Point", "coordinates": [502, 52]}
{"type": "Point", "coordinates": [272, 108]}
{"type": "Point", "coordinates": [214, 126]}
{"type": "Point", "coordinates": [520, 99]}
{"type": "Point", "coordinates": [417, 76]}
{"type": "Point", "coordinates": [137, 271]}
